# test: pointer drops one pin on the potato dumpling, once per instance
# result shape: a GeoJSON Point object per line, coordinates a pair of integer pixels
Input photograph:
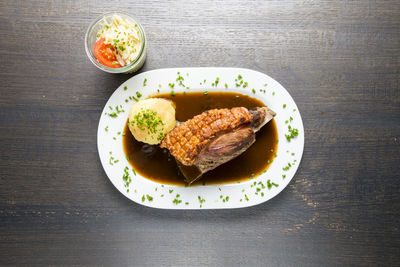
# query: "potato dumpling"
{"type": "Point", "coordinates": [151, 119]}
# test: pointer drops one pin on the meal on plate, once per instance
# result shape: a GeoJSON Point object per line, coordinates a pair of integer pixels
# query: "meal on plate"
{"type": "Point", "coordinates": [194, 134]}
{"type": "Point", "coordinates": [118, 43]}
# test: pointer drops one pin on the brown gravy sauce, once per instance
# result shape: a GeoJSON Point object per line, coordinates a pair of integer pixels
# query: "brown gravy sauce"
{"type": "Point", "coordinates": [157, 165]}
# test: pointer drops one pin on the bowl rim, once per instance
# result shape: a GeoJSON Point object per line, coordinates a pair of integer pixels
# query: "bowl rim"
{"type": "Point", "coordinates": [123, 69]}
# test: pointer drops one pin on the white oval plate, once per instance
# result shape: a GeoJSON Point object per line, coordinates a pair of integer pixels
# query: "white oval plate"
{"type": "Point", "coordinates": [236, 195]}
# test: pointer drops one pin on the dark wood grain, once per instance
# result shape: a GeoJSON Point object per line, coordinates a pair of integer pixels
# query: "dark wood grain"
{"type": "Point", "coordinates": [340, 60]}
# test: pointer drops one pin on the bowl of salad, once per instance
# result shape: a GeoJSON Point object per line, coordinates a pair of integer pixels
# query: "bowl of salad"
{"type": "Point", "coordinates": [116, 43]}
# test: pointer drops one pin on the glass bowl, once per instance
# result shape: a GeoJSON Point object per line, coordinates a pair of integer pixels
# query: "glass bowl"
{"type": "Point", "coordinates": [91, 36]}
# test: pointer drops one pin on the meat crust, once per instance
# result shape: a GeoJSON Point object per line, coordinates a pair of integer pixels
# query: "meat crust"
{"type": "Point", "coordinates": [186, 141]}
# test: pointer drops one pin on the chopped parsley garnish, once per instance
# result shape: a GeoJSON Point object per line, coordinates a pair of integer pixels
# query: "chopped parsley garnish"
{"type": "Point", "coordinates": [177, 201]}
{"type": "Point", "coordinates": [216, 82]}
{"type": "Point", "coordinates": [239, 82]}
{"type": "Point", "coordinates": [293, 132]}
{"type": "Point", "coordinates": [201, 200]}
{"type": "Point", "coordinates": [148, 120]}
{"type": "Point", "coordinates": [126, 177]}
{"type": "Point", "coordinates": [180, 80]}
{"type": "Point", "coordinates": [111, 161]}
{"type": "Point", "coordinates": [133, 98]}
{"type": "Point", "coordinates": [125, 88]}
{"type": "Point", "coordinates": [119, 110]}
{"type": "Point", "coordinates": [226, 199]}
{"type": "Point", "coordinates": [115, 113]}
{"type": "Point", "coordinates": [270, 184]}
{"type": "Point", "coordinates": [262, 185]}
{"type": "Point", "coordinates": [286, 168]}
{"type": "Point", "coordinates": [144, 81]}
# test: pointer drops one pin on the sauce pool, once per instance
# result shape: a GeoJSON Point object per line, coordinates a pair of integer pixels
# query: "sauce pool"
{"type": "Point", "coordinates": [156, 164]}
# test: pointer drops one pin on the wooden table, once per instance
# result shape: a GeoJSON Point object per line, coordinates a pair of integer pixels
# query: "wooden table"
{"type": "Point", "coordinates": [340, 60]}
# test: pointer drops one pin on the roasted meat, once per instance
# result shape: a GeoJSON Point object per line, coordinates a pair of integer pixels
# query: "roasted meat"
{"type": "Point", "coordinates": [213, 138]}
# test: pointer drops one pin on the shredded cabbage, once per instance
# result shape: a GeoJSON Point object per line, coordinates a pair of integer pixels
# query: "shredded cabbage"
{"type": "Point", "coordinates": [124, 36]}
